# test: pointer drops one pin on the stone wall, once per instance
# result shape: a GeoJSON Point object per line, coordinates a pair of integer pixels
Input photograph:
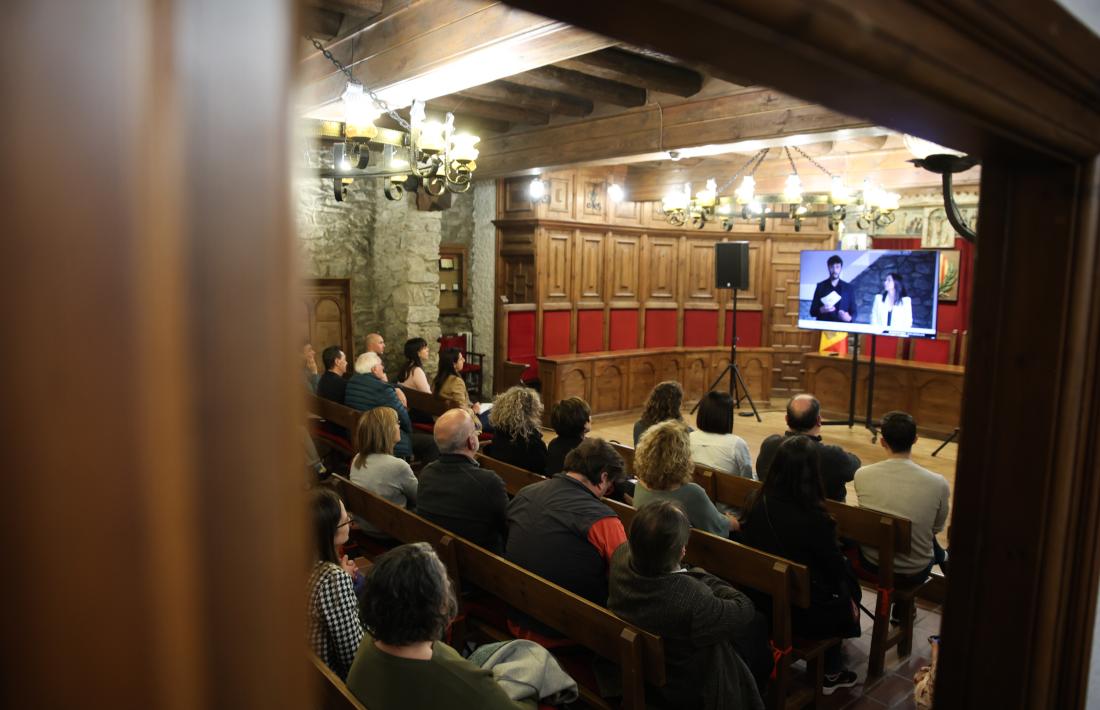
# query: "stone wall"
{"type": "Point", "coordinates": [469, 222]}
{"type": "Point", "coordinates": [390, 252]}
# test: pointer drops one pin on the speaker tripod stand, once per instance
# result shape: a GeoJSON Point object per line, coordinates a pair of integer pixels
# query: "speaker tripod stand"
{"type": "Point", "coordinates": [737, 388]}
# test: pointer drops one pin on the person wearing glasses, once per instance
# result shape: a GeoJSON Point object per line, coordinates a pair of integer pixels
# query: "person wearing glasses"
{"type": "Point", "coordinates": [334, 626]}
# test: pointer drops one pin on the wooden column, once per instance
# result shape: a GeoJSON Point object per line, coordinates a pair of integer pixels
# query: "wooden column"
{"type": "Point", "coordinates": [153, 506]}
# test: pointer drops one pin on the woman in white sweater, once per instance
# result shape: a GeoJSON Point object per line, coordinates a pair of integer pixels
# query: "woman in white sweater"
{"type": "Point", "coordinates": [713, 442]}
{"type": "Point", "coordinates": [892, 309]}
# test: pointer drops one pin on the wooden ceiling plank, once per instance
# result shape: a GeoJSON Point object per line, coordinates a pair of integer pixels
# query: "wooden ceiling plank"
{"type": "Point", "coordinates": [637, 70]}
{"type": "Point", "coordinates": [530, 98]}
{"type": "Point", "coordinates": [489, 109]}
{"type": "Point", "coordinates": [593, 88]}
{"type": "Point", "coordinates": [321, 23]}
{"type": "Point", "coordinates": [362, 8]}
{"type": "Point", "coordinates": [426, 50]}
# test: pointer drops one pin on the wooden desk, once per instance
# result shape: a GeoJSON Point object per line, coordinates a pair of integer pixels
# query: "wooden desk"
{"type": "Point", "coordinates": [615, 381]}
{"type": "Point", "coordinates": [931, 392]}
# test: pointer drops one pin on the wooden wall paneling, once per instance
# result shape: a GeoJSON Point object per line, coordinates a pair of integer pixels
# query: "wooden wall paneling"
{"type": "Point", "coordinates": [670, 366]}
{"type": "Point", "coordinates": [560, 188]}
{"type": "Point", "coordinates": [644, 375]}
{"type": "Point", "coordinates": [328, 315]}
{"type": "Point", "coordinates": [789, 342]}
{"type": "Point", "coordinates": [515, 199]}
{"type": "Point", "coordinates": [591, 260]}
{"type": "Point", "coordinates": [891, 391]}
{"type": "Point", "coordinates": [609, 381]}
{"type": "Point", "coordinates": [699, 281]}
{"type": "Point", "coordinates": [627, 213]}
{"type": "Point", "coordinates": [559, 266]}
{"type": "Point", "coordinates": [829, 380]}
{"type": "Point", "coordinates": [660, 265]}
{"type": "Point", "coordinates": [591, 204]}
{"type": "Point", "coordinates": [936, 401]}
{"type": "Point", "coordinates": [516, 273]}
{"type": "Point", "coordinates": [756, 369]}
{"type": "Point", "coordinates": [696, 373]}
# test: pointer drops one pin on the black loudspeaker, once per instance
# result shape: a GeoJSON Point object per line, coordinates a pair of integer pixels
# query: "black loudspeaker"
{"type": "Point", "coordinates": [731, 265]}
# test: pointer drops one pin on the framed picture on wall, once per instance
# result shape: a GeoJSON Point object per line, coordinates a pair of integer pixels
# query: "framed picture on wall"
{"type": "Point", "coordinates": [949, 275]}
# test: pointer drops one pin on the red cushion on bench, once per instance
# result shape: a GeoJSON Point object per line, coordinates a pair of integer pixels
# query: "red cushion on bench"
{"type": "Point", "coordinates": [424, 427]}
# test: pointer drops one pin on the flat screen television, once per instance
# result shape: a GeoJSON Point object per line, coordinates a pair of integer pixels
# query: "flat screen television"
{"type": "Point", "coordinates": [877, 291]}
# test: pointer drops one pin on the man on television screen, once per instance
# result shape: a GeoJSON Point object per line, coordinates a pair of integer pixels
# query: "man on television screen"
{"type": "Point", "coordinates": [834, 298]}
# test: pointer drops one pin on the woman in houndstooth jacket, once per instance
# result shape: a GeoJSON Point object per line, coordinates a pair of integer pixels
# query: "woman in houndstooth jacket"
{"type": "Point", "coordinates": [334, 627]}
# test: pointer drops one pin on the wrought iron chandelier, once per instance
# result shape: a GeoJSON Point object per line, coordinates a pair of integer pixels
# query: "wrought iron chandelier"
{"type": "Point", "coordinates": [874, 206]}
{"type": "Point", "coordinates": [425, 153]}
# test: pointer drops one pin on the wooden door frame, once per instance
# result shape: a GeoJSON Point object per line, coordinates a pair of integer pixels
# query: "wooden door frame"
{"type": "Point", "coordinates": [348, 326]}
{"type": "Point", "coordinates": [1014, 82]}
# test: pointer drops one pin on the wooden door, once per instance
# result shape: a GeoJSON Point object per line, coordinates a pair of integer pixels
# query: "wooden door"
{"type": "Point", "coordinates": [326, 315]}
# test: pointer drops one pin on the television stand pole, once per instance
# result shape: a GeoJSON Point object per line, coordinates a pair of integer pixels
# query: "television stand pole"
{"type": "Point", "coordinates": [851, 420]}
{"type": "Point", "coordinates": [870, 422]}
{"type": "Point", "coordinates": [737, 383]}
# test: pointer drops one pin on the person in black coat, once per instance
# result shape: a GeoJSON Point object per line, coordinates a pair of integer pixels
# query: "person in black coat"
{"type": "Point", "coordinates": [516, 417]}
{"type": "Point", "coordinates": [788, 518]}
{"type": "Point", "coordinates": [844, 309]}
{"type": "Point", "coordinates": [572, 420]}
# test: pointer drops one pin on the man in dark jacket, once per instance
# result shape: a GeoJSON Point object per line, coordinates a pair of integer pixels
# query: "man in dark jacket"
{"type": "Point", "coordinates": [712, 632]}
{"type": "Point", "coordinates": [369, 389]}
{"type": "Point", "coordinates": [332, 385]}
{"type": "Point", "coordinates": [834, 298]}
{"type": "Point", "coordinates": [838, 467]}
{"type": "Point", "coordinates": [456, 493]}
{"type": "Point", "coordinates": [561, 530]}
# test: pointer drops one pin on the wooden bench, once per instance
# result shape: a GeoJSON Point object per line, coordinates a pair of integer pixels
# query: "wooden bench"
{"type": "Point", "coordinates": [784, 581]}
{"type": "Point", "coordinates": [334, 694]}
{"type": "Point", "coordinates": [339, 415]}
{"type": "Point", "coordinates": [433, 405]}
{"type": "Point", "coordinates": [888, 534]}
{"type": "Point", "coordinates": [639, 654]}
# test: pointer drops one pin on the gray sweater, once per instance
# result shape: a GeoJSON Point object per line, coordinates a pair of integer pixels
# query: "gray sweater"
{"type": "Point", "coordinates": [691, 496]}
{"type": "Point", "coordinates": [388, 477]}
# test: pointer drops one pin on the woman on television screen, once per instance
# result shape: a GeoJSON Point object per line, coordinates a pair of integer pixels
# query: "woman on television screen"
{"type": "Point", "coordinates": [892, 308]}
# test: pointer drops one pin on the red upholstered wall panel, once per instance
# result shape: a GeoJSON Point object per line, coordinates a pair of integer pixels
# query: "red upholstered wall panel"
{"type": "Point", "coordinates": [555, 332]}
{"type": "Point", "coordinates": [750, 325]}
{"type": "Point", "coordinates": [589, 331]}
{"type": "Point", "coordinates": [700, 328]}
{"type": "Point", "coordinates": [521, 341]}
{"type": "Point", "coordinates": [660, 328]}
{"type": "Point", "coordinates": [624, 329]}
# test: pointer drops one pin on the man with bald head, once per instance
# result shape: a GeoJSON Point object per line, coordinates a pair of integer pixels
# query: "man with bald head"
{"type": "Point", "coordinates": [376, 344]}
{"type": "Point", "coordinates": [838, 467]}
{"type": "Point", "coordinates": [456, 493]}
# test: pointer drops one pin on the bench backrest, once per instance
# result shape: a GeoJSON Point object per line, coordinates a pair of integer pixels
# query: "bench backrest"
{"type": "Point", "coordinates": [334, 694]}
{"type": "Point", "coordinates": [784, 581]}
{"type": "Point", "coordinates": [588, 624]}
{"type": "Point", "coordinates": [336, 413]}
{"type": "Point", "coordinates": [428, 403]}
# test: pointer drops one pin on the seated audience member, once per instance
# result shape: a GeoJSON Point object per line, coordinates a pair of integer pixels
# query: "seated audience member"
{"type": "Point", "coordinates": [663, 403]}
{"type": "Point", "coordinates": [572, 420]}
{"type": "Point", "coordinates": [402, 664]}
{"type": "Point", "coordinates": [702, 620]}
{"type": "Point", "coordinates": [375, 467]}
{"type": "Point", "coordinates": [713, 443]}
{"type": "Point", "coordinates": [450, 385]}
{"type": "Point", "coordinates": [375, 343]}
{"type": "Point", "coordinates": [309, 367]}
{"type": "Point", "coordinates": [458, 494]}
{"type": "Point", "coordinates": [517, 429]}
{"type": "Point", "coordinates": [838, 467]}
{"type": "Point", "coordinates": [561, 530]}
{"type": "Point", "coordinates": [334, 627]}
{"type": "Point", "coordinates": [788, 518]}
{"type": "Point", "coordinates": [412, 373]}
{"type": "Point", "coordinates": [332, 384]}
{"type": "Point", "coordinates": [368, 389]}
{"type": "Point", "coordinates": [664, 469]}
{"type": "Point", "coordinates": [900, 487]}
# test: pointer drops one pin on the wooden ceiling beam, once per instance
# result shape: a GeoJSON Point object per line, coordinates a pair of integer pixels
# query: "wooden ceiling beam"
{"type": "Point", "coordinates": [637, 70]}
{"type": "Point", "coordinates": [433, 48]}
{"type": "Point", "coordinates": [464, 123]}
{"type": "Point", "coordinates": [529, 98]}
{"type": "Point", "coordinates": [361, 8]}
{"type": "Point", "coordinates": [489, 109]}
{"type": "Point", "coordinates": [754, 114]}
{"type": "Point", "coordinates": [322, 23]}
{"type": "Point", "coordinates": [594, 88]}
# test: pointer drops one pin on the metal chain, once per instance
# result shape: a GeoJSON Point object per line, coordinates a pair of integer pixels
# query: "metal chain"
{"type": "Point", "coordinates": [813, 162]}
{"type": "Point", "coordinates": [374, 97]}
{"type": "Point", "coordinates": [757, 159]}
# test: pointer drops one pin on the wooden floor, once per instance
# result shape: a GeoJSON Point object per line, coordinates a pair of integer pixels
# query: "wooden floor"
{"type": "Point", "coordinates": [857, 440]}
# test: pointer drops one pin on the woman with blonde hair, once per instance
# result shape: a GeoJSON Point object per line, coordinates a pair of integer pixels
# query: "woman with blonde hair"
{"type": "Point", "coordinates": [664, 469]}
{"type": "Point", "coordinates": [662, 404]}
{"type": "Point", "coordinates": [375, 467]}
{"type": "Point", "coordinates": [516, 417]}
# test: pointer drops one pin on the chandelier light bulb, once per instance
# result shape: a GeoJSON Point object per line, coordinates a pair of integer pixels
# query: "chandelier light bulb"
{"type": "Point", "coordinates": [747, 190]}
{"type": "Point", "coordinates": [464, 147]}
{"type": "Point", "coordinates": [792, 189]}
{"type": "Point", "coordinates": [431, 136]}
{"type": "Point", "coordinates": [537, 189]}
{"type": "Point", "coordinates": [838, 191]}
{"type": "Point", "coordinates": [615, 192]}
{"type": "Point", "coordinates": [708, 194]}
{"type": "Point", "coordinates": [360, 111]}
{"type": "Point", "coordinates": [416, 114]}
